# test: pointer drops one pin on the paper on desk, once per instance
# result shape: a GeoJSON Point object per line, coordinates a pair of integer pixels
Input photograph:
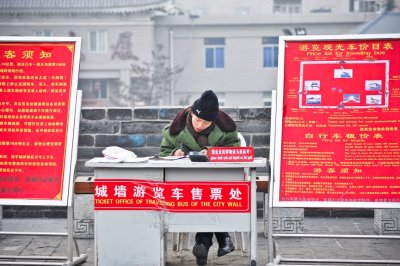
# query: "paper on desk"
{"type": "Point", "coordinates": [106, 160]}
{"type": "Point", "coordinates": [171, 158]}
{"type": "Point", "coordinates": [137, 159]}
{"type": "Point", "coordinates": [119, 160]}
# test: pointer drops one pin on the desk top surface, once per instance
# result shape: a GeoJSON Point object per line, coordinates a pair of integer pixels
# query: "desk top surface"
{"type": "Point", "coordinates": [178, 163]}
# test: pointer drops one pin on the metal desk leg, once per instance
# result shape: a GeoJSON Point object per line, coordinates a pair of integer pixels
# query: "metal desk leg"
{"type": "Point", "coordinates": [253, 218]}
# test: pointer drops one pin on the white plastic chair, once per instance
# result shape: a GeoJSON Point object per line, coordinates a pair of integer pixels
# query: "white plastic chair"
{"type": "Point", "coordinates": [243, 144]}
{"type": "Point", "coordinates": [243, 237]}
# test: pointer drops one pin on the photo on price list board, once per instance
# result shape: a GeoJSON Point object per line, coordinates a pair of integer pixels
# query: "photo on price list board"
{"type": "Point", "coordinates": [344, 84]}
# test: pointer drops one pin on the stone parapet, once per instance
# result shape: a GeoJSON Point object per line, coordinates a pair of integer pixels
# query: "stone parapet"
{"type": "Point", "coordinates": [139, 130]}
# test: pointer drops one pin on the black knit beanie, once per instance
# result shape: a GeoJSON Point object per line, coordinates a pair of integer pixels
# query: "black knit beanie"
{"type": "Point", "coordinates": [206, 107]}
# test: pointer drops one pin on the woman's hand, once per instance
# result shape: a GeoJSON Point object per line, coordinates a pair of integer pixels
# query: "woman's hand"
{"type": "Point", "coordinates": [204, 152]}
{"type": "Point", "coordinates": [179, 152]}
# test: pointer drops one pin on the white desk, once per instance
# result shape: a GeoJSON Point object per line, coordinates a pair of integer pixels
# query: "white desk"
{"type": "Point", "coordinates": [124, 237]}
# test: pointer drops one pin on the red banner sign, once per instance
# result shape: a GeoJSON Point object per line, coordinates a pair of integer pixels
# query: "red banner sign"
{"type": "Point", "coordinates": [231, 154]}
{"type": "Point", "coordinates": [340, 121]}
{"type": "Point", "coordinates": [35, 94]}
{"type": "Point", "coordinates": [122, 194]}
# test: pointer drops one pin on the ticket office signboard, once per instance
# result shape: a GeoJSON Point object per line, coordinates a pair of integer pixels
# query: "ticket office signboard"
{"type": "Point", "coordinates": [123, 194]}
{"type": "Point", "coordinates": [337, 135]}
{"type": "Point", "coordinates": [38, 91]}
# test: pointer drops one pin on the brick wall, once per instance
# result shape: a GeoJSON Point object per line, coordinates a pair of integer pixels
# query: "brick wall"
{"type": "Point", "coordinates": [139, 130]}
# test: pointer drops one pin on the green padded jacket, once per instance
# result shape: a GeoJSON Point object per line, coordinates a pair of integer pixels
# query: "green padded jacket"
{"type": "Point", "coordinates": [176, 134]}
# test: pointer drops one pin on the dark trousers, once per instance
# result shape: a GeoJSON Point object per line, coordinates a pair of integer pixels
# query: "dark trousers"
{"type": "Point", "coordinates": [206, 238]}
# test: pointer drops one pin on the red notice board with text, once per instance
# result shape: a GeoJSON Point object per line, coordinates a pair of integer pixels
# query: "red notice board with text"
{"type": "Point", "coordinates": [337, 131]}
{"type": "Point", "coordinates": [38, 91]}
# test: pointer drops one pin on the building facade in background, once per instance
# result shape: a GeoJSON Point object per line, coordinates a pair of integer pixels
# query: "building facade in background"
{"type": "Point", "coordinates": [229, 46]}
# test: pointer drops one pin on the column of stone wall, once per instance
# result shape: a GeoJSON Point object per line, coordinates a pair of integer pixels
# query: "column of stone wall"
{"type": "Point", "coordinates": [83, 216]}
{"type": "Point", "coordinates": [285, 220]}
{"type": "Point", "coordinates": [387, 221]}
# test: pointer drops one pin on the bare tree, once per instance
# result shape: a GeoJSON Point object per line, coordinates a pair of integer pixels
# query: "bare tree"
{"type": "Point", "coordinates": [390, 5]}
{"type": "Point", "coordinates": [151, 83]}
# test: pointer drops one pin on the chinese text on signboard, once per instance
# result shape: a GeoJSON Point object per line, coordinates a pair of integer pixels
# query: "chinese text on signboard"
{"type": "Point", "coordinates": [114, 194]}
{"type": "Point", "coordinates": [35, 92]}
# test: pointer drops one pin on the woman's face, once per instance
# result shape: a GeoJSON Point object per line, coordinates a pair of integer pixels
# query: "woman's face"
{"type": "Point", "coordinates": [200, 124]}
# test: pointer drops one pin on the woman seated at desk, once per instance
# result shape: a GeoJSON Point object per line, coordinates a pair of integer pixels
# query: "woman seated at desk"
{"type": "Point", "coordinates": [196, 128]}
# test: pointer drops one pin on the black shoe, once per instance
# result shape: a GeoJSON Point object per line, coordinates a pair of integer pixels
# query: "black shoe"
{"type": "Point", "coordinates": [200, 251]}
{"type": "Point", "coordinates": [226, 248]}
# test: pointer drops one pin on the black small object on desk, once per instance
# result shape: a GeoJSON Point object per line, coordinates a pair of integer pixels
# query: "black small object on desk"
{"type": "Point", "coordinates": [196, 156]}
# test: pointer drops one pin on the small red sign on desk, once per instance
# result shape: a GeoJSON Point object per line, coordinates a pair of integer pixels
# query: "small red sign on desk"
{"type": "Point", "coordinates": [231, 154]}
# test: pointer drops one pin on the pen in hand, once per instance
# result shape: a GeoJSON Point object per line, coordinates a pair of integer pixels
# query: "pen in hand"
{"type": "Point", "coordinates": [180, 151]}
{"type": "Point", "coordinates": [185, 149]}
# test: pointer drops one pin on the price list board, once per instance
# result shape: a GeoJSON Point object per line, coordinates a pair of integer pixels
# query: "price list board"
{"type": "Point", "coordinates": [37, 112]}
{"type": "Point", "coordinates": [337, 131]}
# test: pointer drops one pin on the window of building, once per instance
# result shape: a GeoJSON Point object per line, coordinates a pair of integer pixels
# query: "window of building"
{"type": "Point", "coordinates": [287, 6]}
{"type": "Point", "coordinates": [270, 51]}
{"type": "Point", "coordinates": [99, 88]}
{"type": "Point", "coordinates": [200, 12]}
{"type": "Point", "coordinates": [97, 41]}
{"type": "Point", "coordinates": [364, 6]}
{"type": "Point", "coordinates": [267, 98]}
{"type": "Point", "coordinates": [139, 92]}
{"type": "Point", "coordinates": [94, 88]}
{"type": "Point", "coordinates": [214, 52]}
{"type": "Point", "coordinates": [42, 33]}
{"type": "Point", "coordinates": [242, 11]}
{"type": "Point", "coordinates": [221, 98]}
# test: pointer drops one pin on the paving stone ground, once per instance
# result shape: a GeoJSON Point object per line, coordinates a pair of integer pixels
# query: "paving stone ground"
{"type": "Point", "coordinates": [303, 248]}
